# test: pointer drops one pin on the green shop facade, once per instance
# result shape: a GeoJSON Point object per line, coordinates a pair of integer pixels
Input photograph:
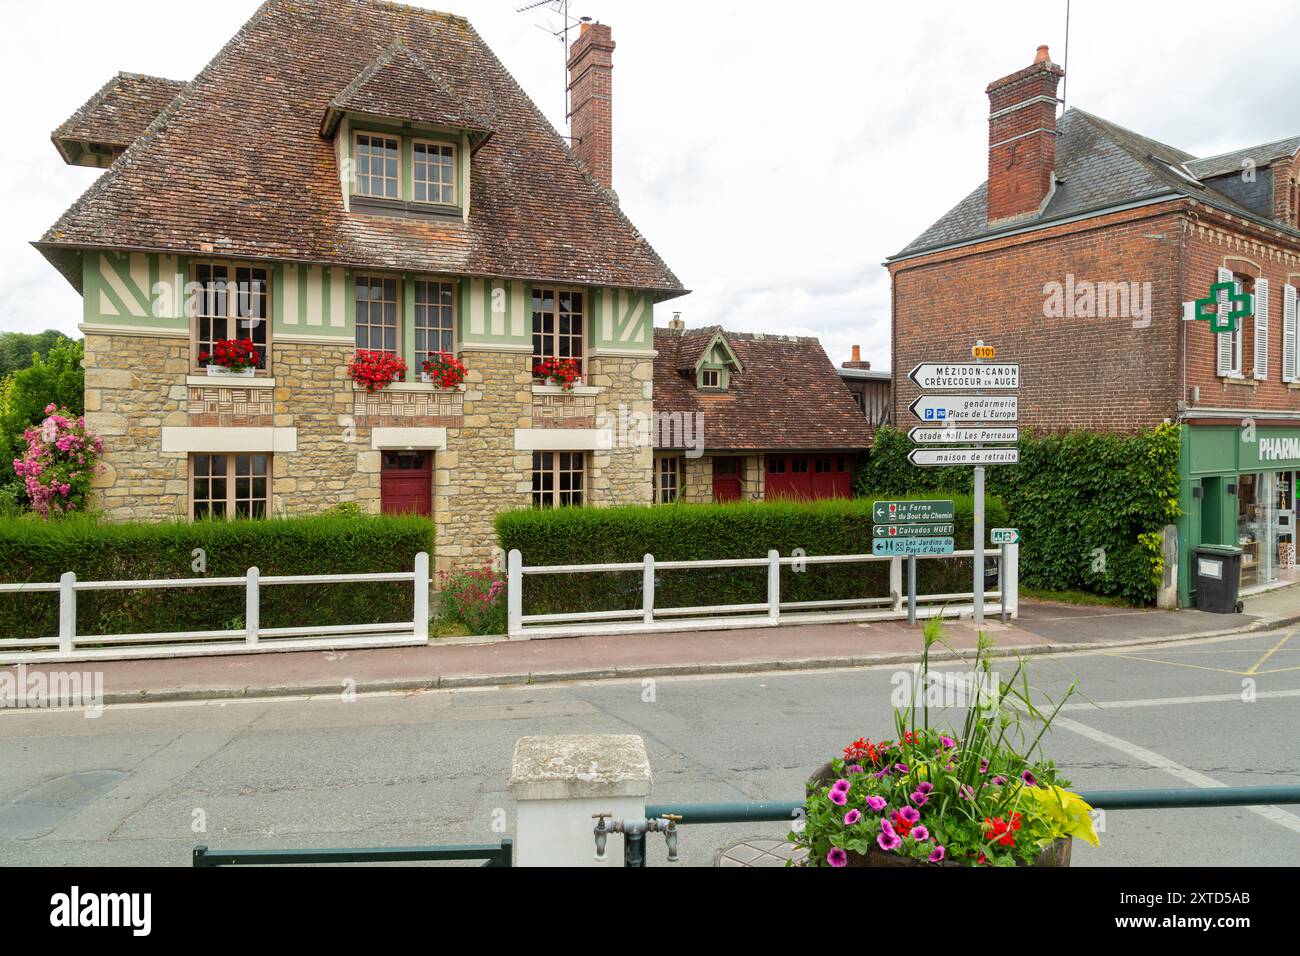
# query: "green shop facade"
{"type": "Point", "coordinates": [1238, 487]}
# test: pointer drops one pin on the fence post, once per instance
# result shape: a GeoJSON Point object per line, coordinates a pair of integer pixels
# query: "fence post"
{"type": "Point", "coordinates": [895, 584]}
{"type": "Point", "coordinates": [774, 585]}
{"type": "Point", "coordinates": [252, 605]}
{"type": "Point", "coordinates": [1011, 582]}
{"type": "Point", "coordinates": [515, 595]}
{"type": "Point", "coordinates": [422, 596]}
{"type": "Point", "coordinates": [67, 611]}
{"type": "Point", "coordinates": [648, 589]}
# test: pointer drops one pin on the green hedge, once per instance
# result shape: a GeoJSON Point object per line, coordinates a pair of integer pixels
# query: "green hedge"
{"type": "Point", "coordinates": [32, 550]}
{"type": "Point", "coordinates": [1090, 505]}
{"type": "Point", "coordinates": [684, 532]}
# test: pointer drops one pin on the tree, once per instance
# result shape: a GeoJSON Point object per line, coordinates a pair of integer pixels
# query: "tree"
{"type": "Point", "coordinates": [57, 378]}
{"type": "Point", "coordinates": [17, 348]}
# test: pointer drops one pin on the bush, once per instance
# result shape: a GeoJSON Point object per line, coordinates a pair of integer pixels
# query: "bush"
{"type": "Point", "coordinates": [40, 551]}
{"type": "Point", "coordinates": [474, 599]}
{"type": "Point", "coordinates": [685, 532]}
{"type": "Point", "coordinates": [1090, 506]}
{"type": "Point", "coordinates": [57, 379]}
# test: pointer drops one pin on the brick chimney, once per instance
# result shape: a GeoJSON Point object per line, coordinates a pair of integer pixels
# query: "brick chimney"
{"type": "Point", "coordinates": [591, 112]}
{"type": "Point", "coordinates": [856, 361]}
{"type": "Point", "coordinates": [1022, 140]}
{"type": "Point", "coordinates": [676, 322]}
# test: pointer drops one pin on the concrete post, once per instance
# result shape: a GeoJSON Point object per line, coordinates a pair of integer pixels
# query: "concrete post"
{"type": "Point", "coordinates": [1010, 583]}
{"type": "Point", "coordinates": [558, 782]}
{"type": "Point", "coordinates": [1167, 593]}
{"type": "Point", "coordinates": [515, 595]}
{"type": "Point", "coordinates": [421, 609]}
{"type": "Point", "coordinates": [252, 605]}
{"type": "Point", "coordinates": [896, 584]}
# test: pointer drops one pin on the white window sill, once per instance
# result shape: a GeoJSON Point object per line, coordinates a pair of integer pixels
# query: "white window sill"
{"type": "Point", "coordinates": [576, 390]}
{"type": "Point", "coordinates": [245, 381]}
{"type": "Point", "coordinates": [1237, 380]}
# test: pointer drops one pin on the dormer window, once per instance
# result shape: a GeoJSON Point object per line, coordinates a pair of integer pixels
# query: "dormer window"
{"type": "Point", "coordinates": [378, 165]}
{"type": "Point", "coordinates": [434, 172]}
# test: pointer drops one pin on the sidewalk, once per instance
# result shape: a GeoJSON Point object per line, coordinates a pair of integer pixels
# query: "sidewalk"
{"type": "Point", "coordinates": [468, 662]}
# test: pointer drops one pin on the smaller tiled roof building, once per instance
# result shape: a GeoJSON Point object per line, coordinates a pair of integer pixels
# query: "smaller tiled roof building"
{"type": "Point", "coordinates": [749, 416]}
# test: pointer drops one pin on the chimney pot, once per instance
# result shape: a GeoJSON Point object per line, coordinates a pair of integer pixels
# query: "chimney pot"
{"type": "Point", "coordinates": [1043, 56]}
{"type": "Point", "coordinates": [857, 353]}
{"type": "Point", "coordinates": [676, 322]}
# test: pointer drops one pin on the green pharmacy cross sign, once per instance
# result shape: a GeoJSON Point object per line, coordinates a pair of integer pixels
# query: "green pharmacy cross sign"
{"type": "Point", "coordinates": [1241, 305]}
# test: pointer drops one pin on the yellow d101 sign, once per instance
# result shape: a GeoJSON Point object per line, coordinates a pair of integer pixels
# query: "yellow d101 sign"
{"type": "Point", "coordinates": [983, 352]}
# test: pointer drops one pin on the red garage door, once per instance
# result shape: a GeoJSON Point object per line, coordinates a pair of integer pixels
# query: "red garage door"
{"type": "Point", "coordinates": [726, 479]}
{"type": "Point", "coordinates": [406, 482]}
{"type": "Point", "coordinates": [809, 476]}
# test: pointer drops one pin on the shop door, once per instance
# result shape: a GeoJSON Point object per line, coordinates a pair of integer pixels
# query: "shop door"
{"type": "Point", "coordinates": [406, 482]}
{"type": "Point", "coordinates": [726, 479]}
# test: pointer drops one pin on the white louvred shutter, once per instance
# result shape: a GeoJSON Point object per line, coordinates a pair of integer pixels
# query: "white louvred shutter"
{"type": "Point", "coordinates": [1288, 333]}
{"type": "Point", "coordinates": [1261, 328]}
{"type": "Point", "coordinates": [1224, 345]}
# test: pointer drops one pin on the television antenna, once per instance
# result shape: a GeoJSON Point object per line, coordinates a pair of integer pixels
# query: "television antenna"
{"type": "Point", "coordinates": [560, 32]}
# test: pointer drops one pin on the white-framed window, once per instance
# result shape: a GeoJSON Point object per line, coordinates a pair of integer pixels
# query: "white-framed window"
{"type": "Point", "coordinates": [559, 318]}
{"type": "Point", "coordinates": [435, 319]}
{"type": "Point", "coordinates": [377, 165]}
{"type": "Point", "coordinates": [230, 485]}
{"type": "Point", "coordinates": [229, 301]}
{"type": "Point", "coordinates": [558, 478]}
{"type": "Point", "coordinates": [670, 478]}
{"type": "Point", "coordinates": [433, 172]}
{"type": "Point", "coordinates": [377, 312]}
{"type": "Point", "coordinates": [1228, 344]}
{"type": "Point", "coordinates": [710, 378]}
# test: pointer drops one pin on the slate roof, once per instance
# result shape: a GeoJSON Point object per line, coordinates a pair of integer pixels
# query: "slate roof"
{"type": "Point", "coordinates": [119, 111]}
{"type": "Point", "coordinates": [1226, 163]}
{"type": "Point", "coordinates": [237, 160]}
{"type": "Point", "coordinates": [1098, 164]}
{"type": "Point", "coordinates": [789, 395]}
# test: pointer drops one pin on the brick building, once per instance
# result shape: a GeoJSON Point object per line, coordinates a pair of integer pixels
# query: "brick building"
{"type": "Point", "coordinates": [747, 416]}
{"type": "Point", "coordinates": [1075, 259]}
{"type": "Point", "coordinates": [344, 175]}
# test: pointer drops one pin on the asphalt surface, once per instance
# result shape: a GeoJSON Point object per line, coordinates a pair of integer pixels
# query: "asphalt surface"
{"type": "Point", "coordinates": [144, 783]}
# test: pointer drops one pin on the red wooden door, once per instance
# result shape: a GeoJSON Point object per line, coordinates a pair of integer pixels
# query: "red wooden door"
{"type": "Point", "coordinates": [406, 482]}
{"type": "Point", "coordinates": [726, 479]}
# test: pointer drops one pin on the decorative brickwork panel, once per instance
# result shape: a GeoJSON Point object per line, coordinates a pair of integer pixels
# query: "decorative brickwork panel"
{"type": "Point", "coordinates": [227, 406]}
{"type": "Point", "coordinates": [443, 408]}
{"type": "Point", "coordinates": [564, 411]}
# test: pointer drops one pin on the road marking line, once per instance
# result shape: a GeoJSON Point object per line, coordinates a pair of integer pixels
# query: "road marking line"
{"type": "Point", "coordinates": [1198, 667]}
{"type": "Point", "coordinates": [1171, 701]}
{"type": "Point", "coordinates": [1254, 668]}
{"type": "Point", "coordinates": [1283, 819]}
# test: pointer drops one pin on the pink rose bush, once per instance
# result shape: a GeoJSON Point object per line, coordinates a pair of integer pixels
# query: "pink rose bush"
{"type": "Point", "coordinates": [60, 461]}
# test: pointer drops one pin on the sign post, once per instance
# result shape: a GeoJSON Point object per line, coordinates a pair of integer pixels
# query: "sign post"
{"type": "Point", "coordinates": [912, 529]}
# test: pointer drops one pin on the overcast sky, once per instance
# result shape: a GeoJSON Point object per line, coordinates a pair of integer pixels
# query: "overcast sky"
{"type": "Point", "coordinates": [773, 153]}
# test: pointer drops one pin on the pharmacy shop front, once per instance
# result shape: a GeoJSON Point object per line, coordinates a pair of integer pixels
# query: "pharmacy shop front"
{"type": "Point", "coordinates": [1238, 487]}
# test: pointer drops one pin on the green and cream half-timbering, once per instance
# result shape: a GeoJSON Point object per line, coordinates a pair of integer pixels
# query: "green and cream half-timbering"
{"type": "Point", "coordinates": [326, 435]}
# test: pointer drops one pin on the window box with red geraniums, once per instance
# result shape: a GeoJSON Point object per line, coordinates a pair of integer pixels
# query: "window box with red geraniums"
{"type": "Point", "coordinates": [565, 373]}
{"type": "Point", "coordinates": [444, 370]}
{"type": "Point", "coordinates": [935, 796]}
{"type": "Point", "coordinates": [232, 357]}
{"type": "Point", "coordinates": [375, 370]}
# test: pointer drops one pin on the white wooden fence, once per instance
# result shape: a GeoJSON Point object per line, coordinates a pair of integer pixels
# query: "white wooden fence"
{"type": "Point", "coordinates": [770, 613]}
{"type": "Point", "coordinates": [252, 637]}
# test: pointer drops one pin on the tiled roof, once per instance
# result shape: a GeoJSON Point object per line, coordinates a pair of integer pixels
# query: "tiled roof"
{"type": "Point", "coordinates": [237, 161]}
{"type": "Point", "coordinates": [120, 111]}
{"type": "Point", "coordinates": [401, 86]}
{"type": "Point", "coordinates": [1098, 164]}
{"type": "Point", "coordinates": [1226, 163]}
{"type": "Point", "coordinates": [789, 395]}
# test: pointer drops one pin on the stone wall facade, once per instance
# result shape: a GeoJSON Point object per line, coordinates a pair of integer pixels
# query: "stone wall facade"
{"type": "Point", "coordinates": [623, 475]}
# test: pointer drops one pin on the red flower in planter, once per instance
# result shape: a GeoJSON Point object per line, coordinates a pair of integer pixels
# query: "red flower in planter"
{"type": "Point", "coordinates": [233, 354]}
{"type": "Point", "coordinates": [565, 373]}
{"type": "Point", "coordinates": [376, 370]}
{"type": "Point", "coordinates": [445, 369]}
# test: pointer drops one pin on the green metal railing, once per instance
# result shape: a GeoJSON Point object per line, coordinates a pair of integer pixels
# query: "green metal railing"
{"type": "Point", "coordinates": [1174, 799]}
{"type": "Point", "coordinates": [492, 854]}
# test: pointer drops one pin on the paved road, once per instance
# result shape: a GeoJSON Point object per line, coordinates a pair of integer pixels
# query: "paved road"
{"type": "Point", "coordinates": [132, 786]}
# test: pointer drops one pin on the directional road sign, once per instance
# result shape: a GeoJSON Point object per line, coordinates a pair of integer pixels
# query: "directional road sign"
{"type": "Point", "coordinates": [911, 547]}
{"type": "Point", "coordinates": [933, 457]}
{"type": "Point", "coordinates": [903, 512]}
{"type": "Point", "coordinates": [954, 434]}
{"type": "Point", "coordinates": [937, 375]}
{"type": "Point", "coordinates": [1004, 536]}
{"type": "Point", "coordinates": [967, 408]}
{"type": "Point", "coordinates": [921, 529]}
